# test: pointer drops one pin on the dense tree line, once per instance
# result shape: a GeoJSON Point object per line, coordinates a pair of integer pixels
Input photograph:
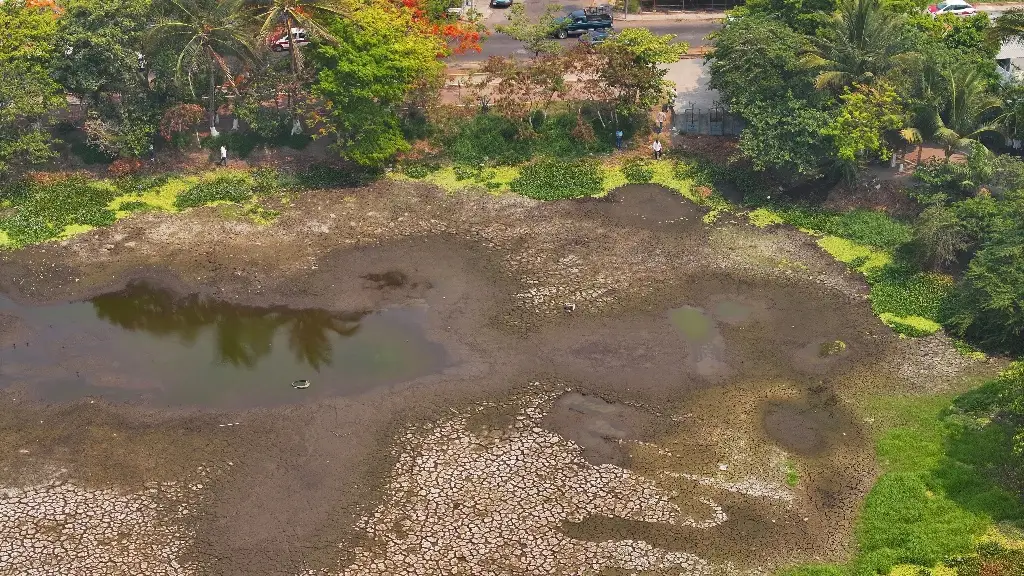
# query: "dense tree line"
{"type": "Point", "coordinates": [137, 68]}
{"type": "Point", "coordinates": [826, 87]}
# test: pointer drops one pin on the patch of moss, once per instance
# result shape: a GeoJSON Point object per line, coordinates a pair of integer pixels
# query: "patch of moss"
{"type": "Point", "coordinates": [915, 326]}
{"type": "Point", "coordinates": [864, 259]}
{"type": "Point", "coordinates": [73, 230]}
{"type": "Point", "coordinates": [5, 240]}
{"type": "Point", "coordinates": [792, 475]}
{"type": "Point", "coordinates": [764, 217]}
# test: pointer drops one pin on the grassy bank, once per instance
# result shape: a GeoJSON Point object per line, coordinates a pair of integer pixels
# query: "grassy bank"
{"type": "Point", "coordinates": [944, 503]}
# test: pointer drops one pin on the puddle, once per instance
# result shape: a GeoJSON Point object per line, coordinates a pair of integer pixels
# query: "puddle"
{"type": "Point", "coordinates": [150, 344]}
{"type": "Point", "coordinates": [733, 312]}
{"type": "Point", "coordinates": [695, 326]}
{"type": "Point", "coordinates": [707, 346]}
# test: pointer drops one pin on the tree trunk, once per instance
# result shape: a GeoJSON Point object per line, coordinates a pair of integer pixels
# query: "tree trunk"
{"type": "Point", "coordinates": [294, 49]}
{"type": "Point", "coordinates": [920, 152]}
{"type": "Point", "coordinates": [213, 89]}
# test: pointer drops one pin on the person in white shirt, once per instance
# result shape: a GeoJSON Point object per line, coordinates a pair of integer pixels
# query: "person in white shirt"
{"type": "Point", "coordinates": [656, 146]}
{"type": "Point", "coordinates": [223, 155]}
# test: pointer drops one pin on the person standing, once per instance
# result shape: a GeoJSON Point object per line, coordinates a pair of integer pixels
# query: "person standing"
{"type": "Point", "coordinates": [223, 155]}
{"type": "Point", "coordinates": [618, 138]}
{"type": "Point", "coordinates": [661, 120]}
{"type": "Point", "coordinates": [656, 146]}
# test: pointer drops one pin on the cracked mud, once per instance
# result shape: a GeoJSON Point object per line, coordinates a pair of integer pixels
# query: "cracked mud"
{"type": "Point", "coordinates": [648, 429]}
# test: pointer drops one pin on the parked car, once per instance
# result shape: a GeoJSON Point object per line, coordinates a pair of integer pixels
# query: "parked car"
{"type": "Point", "coordinates": [501, 3]}
{"type": "Point", "coordinates": [282, 44]}
{"type": "Point", "coordinates": [956, 7]}
{"type": "Point", "coordinates": [595, 37]}
{"type": "Point", "coordinates": [580, 21]}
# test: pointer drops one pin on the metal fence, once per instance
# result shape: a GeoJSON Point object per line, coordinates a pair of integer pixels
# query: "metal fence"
{"type": "Point", "coordinates": [714, 121]}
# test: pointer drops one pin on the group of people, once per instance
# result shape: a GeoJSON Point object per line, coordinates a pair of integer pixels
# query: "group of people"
{"type": "Point", "coordinates": [656, 145]}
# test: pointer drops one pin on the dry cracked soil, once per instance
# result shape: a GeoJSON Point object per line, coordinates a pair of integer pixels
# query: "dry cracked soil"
{"type": "Point", "coordinates": [496, 386]}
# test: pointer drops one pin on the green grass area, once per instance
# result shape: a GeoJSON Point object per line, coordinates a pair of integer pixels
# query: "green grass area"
{"type": "Point", "coordinates": [65, 206]}
{"type": "Point", "coordinates": [937, 498]}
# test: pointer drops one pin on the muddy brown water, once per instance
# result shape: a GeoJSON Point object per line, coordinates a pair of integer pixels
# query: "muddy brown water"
{"type": "Point", "coordinates": [187, 350]}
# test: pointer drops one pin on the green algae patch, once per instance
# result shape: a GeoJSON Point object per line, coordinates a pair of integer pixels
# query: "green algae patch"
{"type": "Point", "coordinates": [459, 178]}
{"type": "Point", "coordinates": [864, 259]}
{"type": "Point", "coordinates": [763, 217]}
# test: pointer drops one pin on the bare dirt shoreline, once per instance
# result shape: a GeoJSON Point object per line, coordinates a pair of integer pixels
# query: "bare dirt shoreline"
{"type": "Point", "coordinates": [288, 490]}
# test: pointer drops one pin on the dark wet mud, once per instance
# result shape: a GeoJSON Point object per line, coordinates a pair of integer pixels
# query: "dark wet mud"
{"type": "Point", "coordinates": [648, 207]}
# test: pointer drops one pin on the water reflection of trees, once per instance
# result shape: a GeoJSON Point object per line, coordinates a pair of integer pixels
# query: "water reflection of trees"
{"type": "Point", "coordinates": [243, 334]}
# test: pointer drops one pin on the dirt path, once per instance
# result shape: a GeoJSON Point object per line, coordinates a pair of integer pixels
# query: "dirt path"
{"type": "Point", "coordinates": [618, 437]}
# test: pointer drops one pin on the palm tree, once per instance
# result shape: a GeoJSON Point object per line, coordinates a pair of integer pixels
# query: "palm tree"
{"type": "Point", "coordinates": [958, 122]}
{"type": "Point", "coordinates": [205, 34]}
{"type": "Point", "coordinates": [306, 14]}
{"type": "Point", "coordinates": [970, 111]}
{"type": "Point", "coordinates": [863, 43]}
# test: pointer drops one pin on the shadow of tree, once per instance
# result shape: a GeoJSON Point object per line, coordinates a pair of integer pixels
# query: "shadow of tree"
{"type": "Point", "coordinates": [243, 334]}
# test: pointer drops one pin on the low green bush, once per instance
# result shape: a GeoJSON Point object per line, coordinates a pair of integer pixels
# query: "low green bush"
{"type": "Point", "coordinates": [90, 154]}
{"type": "Point", "coordinates": [558, 180]}
{"type": "Point", "coordinates": [420, 170]}
{"type": "Point", "coordinates": [265, 181]}
{"type": "Point", "coordinates": [986, 305]}
{"type": "Point", "coordinates": [489, 138]}
{"type": "Point", "coordinates": [41, 211]}
{"type": "Point", "coordinates": [223, 189]}
{"type": "Point", "coordinates": [637, 171]}
{"type": "Point", "coordinates": [319, 176]}
{"type": "Point", "coordinates": [902, 291]}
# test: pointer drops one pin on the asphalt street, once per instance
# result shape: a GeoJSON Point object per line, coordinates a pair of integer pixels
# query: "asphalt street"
{"type": "Point", "coordinates": [497, 44]}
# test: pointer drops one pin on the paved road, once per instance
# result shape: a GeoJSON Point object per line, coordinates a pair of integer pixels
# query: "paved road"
{"type": "Point", "coordinates": [498, 44]}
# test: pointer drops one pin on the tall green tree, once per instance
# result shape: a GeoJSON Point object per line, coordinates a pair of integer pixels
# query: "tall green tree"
{"type": "Point", "coordinates": [863, 43]}
{"type": "Point", "coordinates": [630, 67]}
{"type": "Point", "coordinates": [381, 56]}
{"type": "Point", "coordinates": [28, 92]}
{"type": "Point", "coordinates": [309, 15]}
{"type": "Point", "coordinates": [207, 37]}
{"type": "Point", "coordinates": [102, 63]}
{"type": "Point", "coordinates": [536, 36]}
{"type": "Point", "coordinates": [969, 111]}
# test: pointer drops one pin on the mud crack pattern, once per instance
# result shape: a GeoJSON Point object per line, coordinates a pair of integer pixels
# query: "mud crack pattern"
{"type": "Point", "coordinates": [493, 501]}
{"type": "Point", "coordinates": [62, 528]}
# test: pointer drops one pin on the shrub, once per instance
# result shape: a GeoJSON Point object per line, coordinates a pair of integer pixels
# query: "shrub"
{"type": "Point", "coordinates": [637, 171]}
{"type": "Point", "coordinates": [489, 138]}
{"type": "Point", "coordinates": [265, 181]}
{"type": "Point", "coordinates": [330, 176]}
{"type": "Point", "coordinates": [939, 238]}
{"type": "Point", "coordinates": [222, 189]}
{"type": "Point", "coordinates": [420, 170]}
{"type": "Point", "coordinates": [90, 154]}
{"type": "Point", "coordinates": [557, 180]}
{"type": "Point", "coordinates": [239, 144]}
{"type": "Point", "coordinates": [987, 305]}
